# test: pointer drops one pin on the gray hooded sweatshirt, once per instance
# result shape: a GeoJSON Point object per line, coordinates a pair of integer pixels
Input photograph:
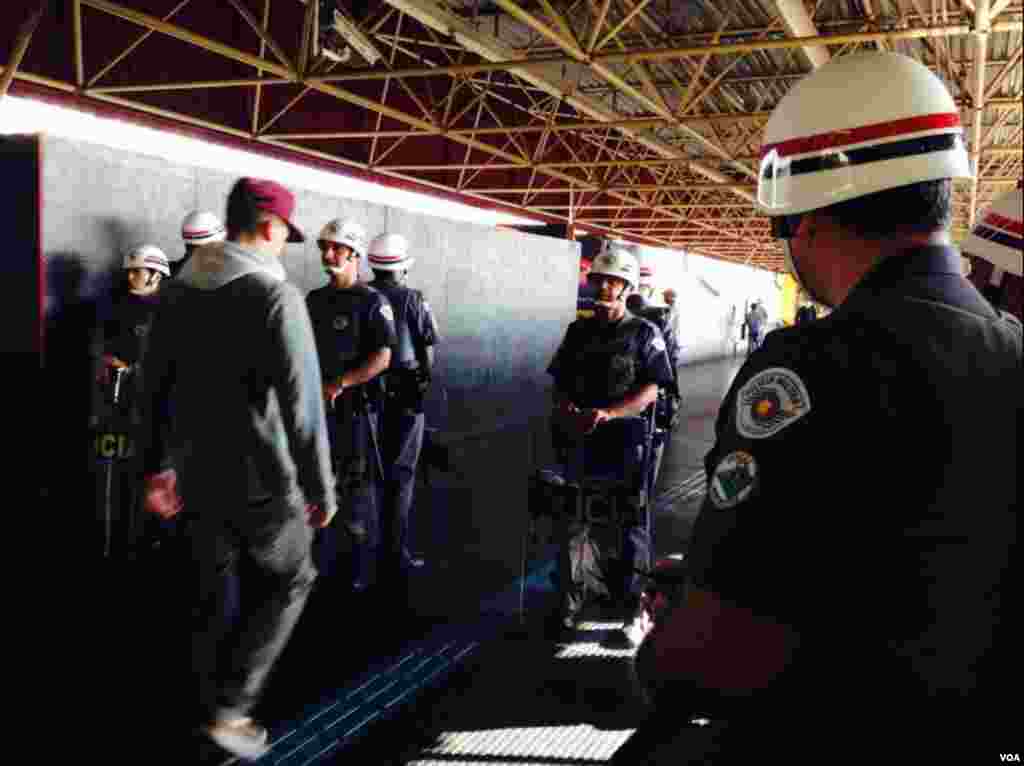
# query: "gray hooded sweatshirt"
{"type": "Point", "coordinates": [232, 353]}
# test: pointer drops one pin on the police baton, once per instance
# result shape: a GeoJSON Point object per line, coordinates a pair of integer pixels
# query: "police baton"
{"type": "Point", "coordinates": [108, 484]}
{"type": "Point", "coordinates": [373, 433]}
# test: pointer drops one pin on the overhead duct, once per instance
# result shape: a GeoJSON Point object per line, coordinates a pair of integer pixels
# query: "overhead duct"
{"type": "Point", "coordinates": [338, 34]}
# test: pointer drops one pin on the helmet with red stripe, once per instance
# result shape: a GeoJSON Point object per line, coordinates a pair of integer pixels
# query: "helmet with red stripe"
{"type": "Point", "coordinates": [390, 252]}
{"type": "Point", "coordinates": [860, 124]}
{"type": "Point", "coordinates": [147, 257]}
{"type": "Point", "coordinates": [646, 275]}
{"type": "Point", "coordinates": [201, 227]}
{"type": "Point", "coordinates": [998, 236]}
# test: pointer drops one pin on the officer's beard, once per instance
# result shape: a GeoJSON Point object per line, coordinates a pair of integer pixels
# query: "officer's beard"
{"type": "Point", "coordinates": [609, 307]}
{"type": "Point", "coordinates": [340, 276]}
{"type": "Point", "coordinates": [148, 289]}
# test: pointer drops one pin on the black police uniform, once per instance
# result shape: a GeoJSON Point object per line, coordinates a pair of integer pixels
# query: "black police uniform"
{"type": "Point", "coordinates": [596, 366]}
{"type": "Point", "coordinates": [662, 318]}
{"type": "Point", "coordinates": [901, 405]}
{"type": "Point", "coordinates": [125, 335]}
{"type": "Point", "coordinates": [403, 416]}
{"type": "Point", "coordinates": [349, 325]}
{"type": "Point", "coordinates": [127, 328]}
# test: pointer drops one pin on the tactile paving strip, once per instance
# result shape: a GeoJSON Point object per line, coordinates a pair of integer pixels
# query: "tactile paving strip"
{"type": "Point", "coordinates": [319, 736]}
{"type": "Point", "coordinates": [531, 702]}
{"type": "Point", "coordinates": [691, 488]}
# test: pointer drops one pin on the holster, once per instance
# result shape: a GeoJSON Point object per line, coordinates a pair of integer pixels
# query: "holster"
{"type": "Point", "coordinates": [406, 389]}
{"type": "Point", "coordinates": [666, 413]}
{"type": "Point", "coordinates": [352, 455]}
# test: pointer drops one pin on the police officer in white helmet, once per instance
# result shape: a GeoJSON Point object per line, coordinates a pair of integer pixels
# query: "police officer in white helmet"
{"type": "Point", "coordinates": [355, 331]}
{"type": "Point", "coordinates": [877, 614]}
{"type": "Point", "coordinates": [199, 228]}
{"type": "Point", "coordinates": [607, 367]}
{"type": "Point", "coordinates": [408, 376]}
{"type": "Point", "coordinates": [126, 327]}
{"type": "Point", "coordinates": [998, 238]}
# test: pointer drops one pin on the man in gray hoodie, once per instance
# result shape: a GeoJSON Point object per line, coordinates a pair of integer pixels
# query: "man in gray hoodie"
{"type": "Point", "coordinates": [232, 341]}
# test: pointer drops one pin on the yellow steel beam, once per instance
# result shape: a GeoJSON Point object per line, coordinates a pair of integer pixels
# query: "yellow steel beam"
{"type": "Point", "coordinates": [141, 39]}
{"type": "Point", "coordinates": [21, 43]}
{"type": "Point", "coordinates": [265, 37]}
{"type": "Point", "coordinates": [693, 51]}
{"type": "Point", "coordinates": [180, 33]}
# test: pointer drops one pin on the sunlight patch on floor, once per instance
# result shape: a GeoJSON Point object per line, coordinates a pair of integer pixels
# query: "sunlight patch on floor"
{"type": "Point", "coordinates": [581, 743]}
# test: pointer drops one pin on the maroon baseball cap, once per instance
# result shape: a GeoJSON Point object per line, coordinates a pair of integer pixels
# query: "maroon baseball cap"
{"type": "Point", "coordinates": [271, 197]}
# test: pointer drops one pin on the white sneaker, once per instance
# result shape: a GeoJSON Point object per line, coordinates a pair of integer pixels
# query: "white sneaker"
{"type": "Point", "coordinates": [635, 630]}
{"type": "Point", "coordinates": [242, 738]}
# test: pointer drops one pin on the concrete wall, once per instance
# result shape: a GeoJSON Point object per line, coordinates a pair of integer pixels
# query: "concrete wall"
{"type": "Point", "coordinates": [502, 298]}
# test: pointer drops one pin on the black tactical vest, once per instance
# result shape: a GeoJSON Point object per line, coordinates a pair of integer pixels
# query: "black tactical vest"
{"type": "Point", "coordinates": [602, 364]}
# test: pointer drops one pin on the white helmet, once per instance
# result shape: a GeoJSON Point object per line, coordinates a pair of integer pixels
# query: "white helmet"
{"type": "Point", "coordinates": [999, 236]}
{"type": "Point", "coordinates": [345, 233]}
{"type": "Point", "coordinates": [617, 262]}
{"type": "Point", "coordinates": [201, 227]}
{"type": "Point", "coordinates": [147, 257]}
{"type": "Point", "coordinates": [390, 252]}
{"type": "Point", "coordinates": [860, 124]}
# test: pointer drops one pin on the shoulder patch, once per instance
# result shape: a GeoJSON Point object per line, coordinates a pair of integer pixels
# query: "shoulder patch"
{"type": "Point", "coordinates": [658, 344]}
{"type": "Point", "coordinates": [733, 481]}
{"type": "Point", "coordinates": [386, 312]}
{"type": "Point", "coordinates": [770, 401]}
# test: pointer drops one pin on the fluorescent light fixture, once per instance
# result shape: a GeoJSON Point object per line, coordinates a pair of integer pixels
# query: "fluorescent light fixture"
{"type": "Point", "coordinates": [19, 115]}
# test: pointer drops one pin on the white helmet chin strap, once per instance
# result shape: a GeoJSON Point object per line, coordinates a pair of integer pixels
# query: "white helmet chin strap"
{"type": "Point", "coordinates": [614, 301]}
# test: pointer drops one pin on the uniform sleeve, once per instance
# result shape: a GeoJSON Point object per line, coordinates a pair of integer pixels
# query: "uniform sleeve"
{"type": "Point", "coordinates": [426, 324]}
{"type": "Point", "coordinates": [295, 371]}
{"type": "Point", "coordinates": [380, 324]}
{"type": "Point", "coordinates": [557, 368]}
{"type": "Point", "coordinates": [770, 533]}
{"type": "Point", "coordinates": [654, 366]}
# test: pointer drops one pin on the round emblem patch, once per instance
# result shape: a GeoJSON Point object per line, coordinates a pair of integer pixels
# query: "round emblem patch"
{"type": "Point", "coordinates": [387, 313]}
{"type": "Point", "coordinates": [769, 402]}
{"type": "Point", "coordinates": [340, 323]}
{"type": "Point", "coordinates": [658, 344]}
{"type": "Point", "coordinates": [734, 479]}
{"type": "Point", "coordinates": [141, 330]}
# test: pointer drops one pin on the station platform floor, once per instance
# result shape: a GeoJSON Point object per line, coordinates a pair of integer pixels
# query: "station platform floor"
{"type": "Point", "coordinates": [448, 671]}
